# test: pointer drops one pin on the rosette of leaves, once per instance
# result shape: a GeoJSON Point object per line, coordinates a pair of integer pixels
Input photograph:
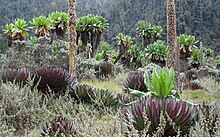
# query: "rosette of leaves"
{"type": "Point", "coordinates": [8, 32]}
{"type": "Point", "coordinates": [149, 33]}
{"type": "Point", "coordinates": [195, 58]}
{"type": "Point", "coordinates": [178, 115]}
{"type": "Point", "coordinates": [186, 45]}
{"type": "Point", "coordinates": [59, 22]}
{"type": "Point", "coordinates": [208, 52]}
{"type": "Point", "coordinates": [81, 93]}
{"type": "Point", "coordinates": [157, 30]}
{"type": "Point", "coordinates": [55, 79]}
{"type": "Point", "coordinates": [136, 55]}
{"type": "Point", "coordinates": [157, 52]}
{"type": "Point", "coordinates": [160, 83]}
{"type": "Point", "coordinates": [20, 29]}
{"type": "Point", "coordinates": [19, 76]}
{"type": "Point", "coordinates": [135, 81]}
{"type": "Point", "coordinates": [41, 25]}
{"type": "Point", "coordinates": [58, 127]}
{"type": "Point", "coordinates": [145, 30]}
{"type": "Point", "coordinates": [211, 116]}
{"type": "Point", "coordinates": [104, 98]}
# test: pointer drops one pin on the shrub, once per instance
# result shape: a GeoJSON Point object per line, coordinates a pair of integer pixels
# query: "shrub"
{"type": "Point", "coordinates": [57, 128]}
{"type": "Point", "coordinates": [56, 79]}
{"type": "Point", "coordinates": [211, 115]}
{"type": "Point", "coordinates": [19, 76]}
{"type": "Point", "coordinates": [177, 115]}
{"type": "Point", "coordinates": [104, 69]}
{"type": "Point", "coordinates": [135, 81]}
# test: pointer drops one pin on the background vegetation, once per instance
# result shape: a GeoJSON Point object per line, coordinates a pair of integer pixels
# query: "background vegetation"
{"type": "Point", "coordinates": [200, 18]}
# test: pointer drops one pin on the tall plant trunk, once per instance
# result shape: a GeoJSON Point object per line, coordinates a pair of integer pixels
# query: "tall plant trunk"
{"type": "Point", "coordinates": [171, 32]}
{"type": "Point", "coordinates": [77, 38]}
{"type": "Point", "coordinates": [93, 43]}
{"type": "Point", "coordinates": [52, 37]}
{"type": "Point", "coordinates": [85, 39]}
{"type": "Point", "coordinates": [98, 41]}
{"type": "Point", "coordinates": [146, 41]}
{"type": "Point", "coordinates": [72, 35]}
{"type": "Point", "coordinates": [60, 33]}
{"type": "Point", "coordinates": [173, 55]}
{"type": "Point", "coordinates": [201, 54]}
{"type": "Point", "coordinates": [177, 66]}
{"type": "Point", "coordinates": [9, 41]}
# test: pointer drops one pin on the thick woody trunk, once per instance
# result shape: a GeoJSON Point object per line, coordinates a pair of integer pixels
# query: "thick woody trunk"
{"type": "Point", "coordinates": [173, 50]}
{"type": "Point", "coordinates": [72, 35]}
{"type": "Point", "coordinates": [9, 41]}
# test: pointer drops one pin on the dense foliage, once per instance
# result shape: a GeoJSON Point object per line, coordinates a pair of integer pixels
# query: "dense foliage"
{"type": "Point", "coordinates": [200, 18]}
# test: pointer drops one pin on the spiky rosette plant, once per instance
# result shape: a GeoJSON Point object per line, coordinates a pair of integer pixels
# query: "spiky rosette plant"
{"type": "Point", "coordinates": [135, 81]}
{"type": "Point", "coordinates": [58, 127]}
{"type": "Point", "coordinates": [104, 97]}
{"type": "Point", "coordinates": [55, 79]}
{"type": "Point", "coordinates": [178, 115]}
{"type": "Point", "coordinates": [211, 115]}
{"type": "Point", "coordinates": [19, 76]}
{"type": "Point", "coordinates": [81, 93]}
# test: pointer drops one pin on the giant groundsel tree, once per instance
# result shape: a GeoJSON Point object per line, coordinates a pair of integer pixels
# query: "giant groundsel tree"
{"type": "Point", "coordinates": [89, 29]}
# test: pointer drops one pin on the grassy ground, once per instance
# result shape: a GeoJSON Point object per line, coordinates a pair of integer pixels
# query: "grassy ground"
{"type": "Point", "coordinates": [191, 95]}
{"type": "Point", "coordinates": [112, 84]}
